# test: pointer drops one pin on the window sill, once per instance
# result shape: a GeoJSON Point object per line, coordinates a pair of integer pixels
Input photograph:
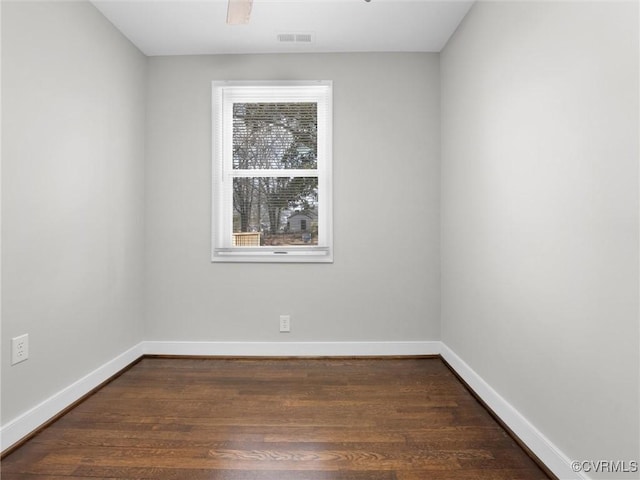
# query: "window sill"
{"type": "Point", "coordinates": [273, 255]}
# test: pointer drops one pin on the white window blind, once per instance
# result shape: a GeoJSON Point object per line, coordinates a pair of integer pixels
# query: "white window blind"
{"type": "Point", "coordinates": [272, 172]}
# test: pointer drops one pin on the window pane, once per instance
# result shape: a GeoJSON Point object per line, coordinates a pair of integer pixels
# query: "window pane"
{"type": "Point", "coordinates": [277, 210]}
{"type": "Point", "coordinates": [275, 135]}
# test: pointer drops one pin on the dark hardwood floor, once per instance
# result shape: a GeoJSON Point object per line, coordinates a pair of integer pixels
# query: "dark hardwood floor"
{"type": "Point", "coordinates": [276, 419]}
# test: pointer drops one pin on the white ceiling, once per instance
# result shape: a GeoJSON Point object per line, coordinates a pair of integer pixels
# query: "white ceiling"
{"type": "Point", "coordinates": [188, 27]}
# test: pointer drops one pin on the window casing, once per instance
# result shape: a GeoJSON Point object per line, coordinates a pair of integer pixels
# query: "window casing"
{"type": "Point", "coordinates": [272, 145]}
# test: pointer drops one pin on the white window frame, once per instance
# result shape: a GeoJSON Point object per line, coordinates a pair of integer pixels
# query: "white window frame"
{"type": "Point", "coordinates": [224, 95]}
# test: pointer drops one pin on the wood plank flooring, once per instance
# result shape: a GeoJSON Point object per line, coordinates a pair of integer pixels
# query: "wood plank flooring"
{"type": "Point", "coordinates": [276, 419]}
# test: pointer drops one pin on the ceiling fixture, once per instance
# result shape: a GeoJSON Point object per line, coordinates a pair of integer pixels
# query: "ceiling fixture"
{"type": "Point", "coordinates": [239, 12]}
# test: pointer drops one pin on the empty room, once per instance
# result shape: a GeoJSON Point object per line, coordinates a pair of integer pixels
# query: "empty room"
{"type": "Point", "coordinates": [320, 240]}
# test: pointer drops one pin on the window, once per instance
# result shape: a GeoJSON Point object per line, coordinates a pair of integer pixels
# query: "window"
{"type": "Point", "coordinates": [272, 172]}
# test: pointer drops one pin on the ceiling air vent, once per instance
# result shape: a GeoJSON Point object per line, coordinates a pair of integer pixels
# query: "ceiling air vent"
{"type": "Point", "coordinates": [304, 38]}
{"type": "Point", "coordinates": [295, 38]}
{"type": "Point", "coordinates": [286, 37]}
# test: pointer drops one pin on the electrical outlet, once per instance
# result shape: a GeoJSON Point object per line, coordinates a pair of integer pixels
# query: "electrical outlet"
{"type": "Point", "coordinates": [19, 349]}
{"type": "Point", "coordinates": [285, 323]}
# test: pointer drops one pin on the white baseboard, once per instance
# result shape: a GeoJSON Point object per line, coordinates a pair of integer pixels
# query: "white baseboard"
{"type": "Point", "coordinates": [31, 420]}
{"type": "Point", "coordinates": [553, 458]}
{"type": "Point", "coordinates": [540, 445]}
{"type": "Point", "coordinates": [292, 349]}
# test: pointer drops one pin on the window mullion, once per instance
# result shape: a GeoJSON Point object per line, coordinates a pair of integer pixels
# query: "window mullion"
{"type": "Point", "coordinates": [237, 172]}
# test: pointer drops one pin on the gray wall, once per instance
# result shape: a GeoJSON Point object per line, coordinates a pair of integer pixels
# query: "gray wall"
{"type": "Point", "coordinates": [384, 283]}
{"type": "Point", "coordinates": [72, 195]}
{"type": "Point", "coordinates": [540, 215]}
